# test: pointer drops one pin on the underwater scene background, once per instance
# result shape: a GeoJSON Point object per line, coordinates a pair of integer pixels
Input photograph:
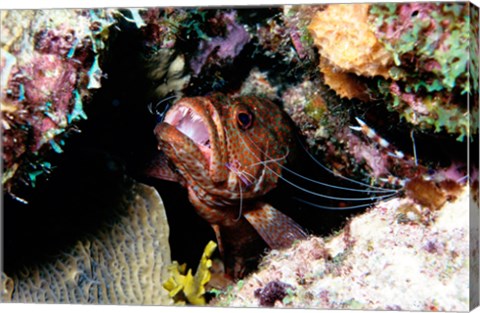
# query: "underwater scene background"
{"type": "Point", "coordinates": [301, 156]}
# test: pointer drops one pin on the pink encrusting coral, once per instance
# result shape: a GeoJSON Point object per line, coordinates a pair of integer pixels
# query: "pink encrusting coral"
{"type": "Point", "coordinates": [49, 81]}
{"type": "Point", "coordinates": [49, 63]}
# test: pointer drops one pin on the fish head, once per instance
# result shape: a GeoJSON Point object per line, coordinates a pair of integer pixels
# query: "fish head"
{"type": "Point", "coordinates": [231, 147]}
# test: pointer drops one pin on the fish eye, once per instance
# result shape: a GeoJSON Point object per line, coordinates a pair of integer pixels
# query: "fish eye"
{"type": "Point", "coordinates": [244, 119]}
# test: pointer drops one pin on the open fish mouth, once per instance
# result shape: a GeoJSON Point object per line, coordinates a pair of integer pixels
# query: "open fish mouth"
{"type": "Point", "coordinates": [192, 125]}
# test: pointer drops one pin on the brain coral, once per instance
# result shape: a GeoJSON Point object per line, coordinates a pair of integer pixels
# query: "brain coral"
{"type": "Point", "coordinates": [125, 263]}
{"type": "Point", "coordinates": [343, 36]}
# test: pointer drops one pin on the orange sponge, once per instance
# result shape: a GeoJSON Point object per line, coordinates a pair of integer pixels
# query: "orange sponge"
{"type": "Point", "coordinates": [344, 37]}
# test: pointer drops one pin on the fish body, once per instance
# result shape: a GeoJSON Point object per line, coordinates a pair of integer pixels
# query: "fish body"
{"type": "Point", "coordinates": [229, 152]}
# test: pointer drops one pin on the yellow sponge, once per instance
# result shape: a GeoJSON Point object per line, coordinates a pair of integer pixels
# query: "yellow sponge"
{"type": "Point", "coordinates": [185, 287]}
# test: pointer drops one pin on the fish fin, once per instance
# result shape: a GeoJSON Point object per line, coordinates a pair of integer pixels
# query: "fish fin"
{"type": "Point", "coordinates": [161, 169]}
{"type": "Point", "coordinates": [216, 229]}
{"type": "Point", "coordinates": [277, 229]}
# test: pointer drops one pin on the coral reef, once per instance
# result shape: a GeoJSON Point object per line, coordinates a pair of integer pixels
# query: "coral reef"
{"type": "Point", "coordinates": [50, 64]}
{"type": "Point", "coordinates": [257, 84]}
{"type": "Point", "coordinates": [166, 64]}
{"type": "Point", "coordinates": [361, 82]}
{"type": "Point", "coordinates": [408, 97]}
{"type": "Point", "coordinates": [220, 48]}
{"type": "Point", "coordinates": [193, 46]}
{"type": "Point", "coordinates": [328, 132]}
{"type": "Point", "coordinates": [124, 263]}
{"type": "Point", "coordinates": [212, 49]}
{"type": "Point", "coordinates": [377, 249]}
{"type": "Point", "coordinates": [430, 76]}
{"type": "Point", "coordinates": [417, 53]}
{"type": "Point", "coordinates": [297, 19]}
{"type": "Point", "coordinates": [439, 33]}
{"type": "Point", "coordinates": [286, 34]}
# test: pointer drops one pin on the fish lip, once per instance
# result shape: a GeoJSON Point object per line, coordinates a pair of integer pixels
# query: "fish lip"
{"type": "Point", "coordinates": [191, 124]}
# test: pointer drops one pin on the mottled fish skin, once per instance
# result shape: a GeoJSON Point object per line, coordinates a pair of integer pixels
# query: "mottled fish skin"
{"type": "Point", "coordinates": [228, 153]}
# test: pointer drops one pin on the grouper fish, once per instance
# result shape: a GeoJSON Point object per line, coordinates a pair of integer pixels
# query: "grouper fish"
{"type": "Point", "coordinates": [228, 152]}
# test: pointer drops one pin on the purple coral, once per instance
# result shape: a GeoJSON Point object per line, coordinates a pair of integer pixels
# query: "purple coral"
{"type": "Point", "coordinates": [224, 47]}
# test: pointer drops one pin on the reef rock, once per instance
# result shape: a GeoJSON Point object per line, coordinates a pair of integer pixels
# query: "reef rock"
{"type": "Point", "coordinates": [384, 259]}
